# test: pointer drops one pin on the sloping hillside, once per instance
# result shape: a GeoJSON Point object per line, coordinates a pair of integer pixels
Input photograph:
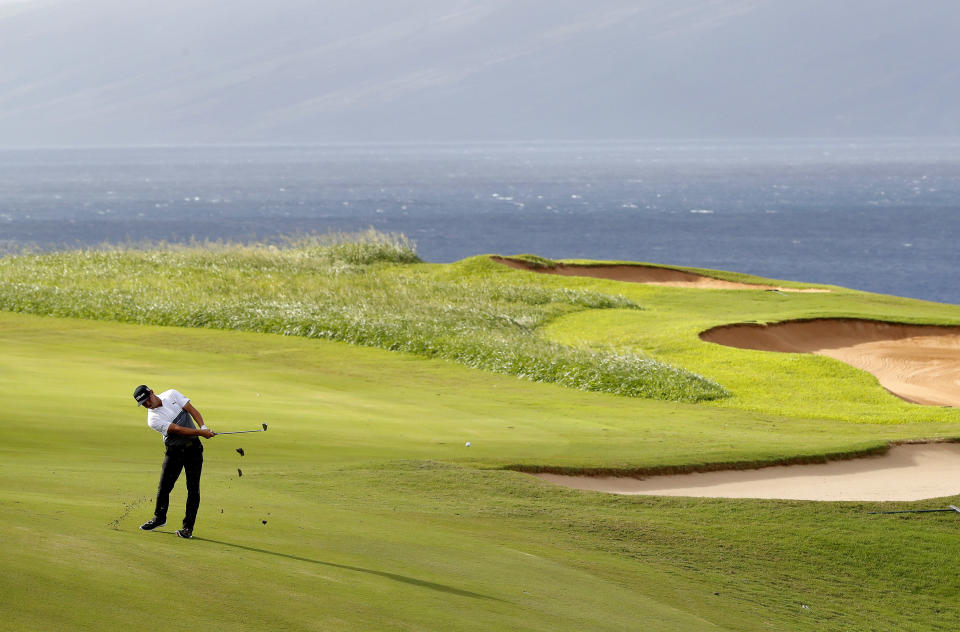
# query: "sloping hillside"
{"type": "Point", "coordinates": [132, 71]}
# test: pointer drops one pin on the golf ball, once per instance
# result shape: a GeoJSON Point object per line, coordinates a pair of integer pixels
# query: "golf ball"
{"type": "Point", "coordinates": [468, 444]}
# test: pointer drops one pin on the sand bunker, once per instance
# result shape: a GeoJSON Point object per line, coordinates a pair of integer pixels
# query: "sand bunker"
{"type": "Point", "coordinates": [906, 472]}
{"type": "Point", "coordinates": [649, 275]}
{"type": "Point", "coordinates": [920, 364]}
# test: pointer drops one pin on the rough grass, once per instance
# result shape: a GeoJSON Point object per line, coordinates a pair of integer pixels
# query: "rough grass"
{"type": "Point", "coordinates": [366, 289]}
{"type": "Point", "coordinates": [590, 334]}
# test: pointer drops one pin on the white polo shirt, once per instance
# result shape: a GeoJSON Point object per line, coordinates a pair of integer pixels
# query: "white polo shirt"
{"type": "Point", "coordinates": [161, 417]}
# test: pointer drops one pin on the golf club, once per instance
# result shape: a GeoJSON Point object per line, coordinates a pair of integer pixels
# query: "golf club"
{"type": "Point", "coordinates": [264, 429]}
{"type": "Point", "coordinates": [952, 508]}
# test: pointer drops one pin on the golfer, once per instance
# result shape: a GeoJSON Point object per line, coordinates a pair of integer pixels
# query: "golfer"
{"type": "Point", "coordinates": [171, 414]}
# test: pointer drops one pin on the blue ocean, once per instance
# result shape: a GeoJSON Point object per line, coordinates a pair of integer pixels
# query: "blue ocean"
{"type": "Point", "coordinates": [882, 216]}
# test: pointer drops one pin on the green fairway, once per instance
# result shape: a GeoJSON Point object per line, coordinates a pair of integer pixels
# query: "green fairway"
{"type": "Point", "coordinates": [379, 518]}
{"type": "Point", "coordinates": [362, 508]}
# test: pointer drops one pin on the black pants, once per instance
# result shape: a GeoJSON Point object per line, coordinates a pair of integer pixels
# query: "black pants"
{"type": "Point", "coordinates": [190, 458]}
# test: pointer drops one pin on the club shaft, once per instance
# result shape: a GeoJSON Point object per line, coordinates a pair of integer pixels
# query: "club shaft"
{"type": "Point", "coordinates": [912, 511]}
{"type": "Point", "coordinates": [237, 432]}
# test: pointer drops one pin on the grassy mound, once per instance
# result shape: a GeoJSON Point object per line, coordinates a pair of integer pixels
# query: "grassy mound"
{"type": "Point", "coordinates": [366, 289]}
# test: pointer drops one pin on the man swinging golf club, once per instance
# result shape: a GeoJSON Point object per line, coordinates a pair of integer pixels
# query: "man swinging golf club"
{"type": "Point", "coordinates": [171, 414]}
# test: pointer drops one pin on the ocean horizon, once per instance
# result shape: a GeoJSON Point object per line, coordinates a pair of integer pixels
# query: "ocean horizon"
{"type": "Point", "coordinates": [875, 215]}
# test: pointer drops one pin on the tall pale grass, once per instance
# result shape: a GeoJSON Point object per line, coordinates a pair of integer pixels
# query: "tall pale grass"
{"type": "Point", "coordinates": [367, 289]}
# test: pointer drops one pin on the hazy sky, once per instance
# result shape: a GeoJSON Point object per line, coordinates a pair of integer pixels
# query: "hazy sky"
{"type": "Point", "coordinates": [134, 71]}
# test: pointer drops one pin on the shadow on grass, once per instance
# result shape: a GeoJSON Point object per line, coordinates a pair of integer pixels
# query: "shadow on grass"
{"type": "Point", "coordinates": [394, 576]}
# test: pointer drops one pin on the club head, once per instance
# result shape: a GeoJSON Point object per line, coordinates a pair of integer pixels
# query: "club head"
{"type": "Point", "coordinates": [264, 427]}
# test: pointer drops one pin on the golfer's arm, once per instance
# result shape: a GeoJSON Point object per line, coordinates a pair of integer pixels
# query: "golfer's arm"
{"type": "Point", "coordinates": [197, 417]}
{"type": "Point", "coordinates": [187, 432]}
